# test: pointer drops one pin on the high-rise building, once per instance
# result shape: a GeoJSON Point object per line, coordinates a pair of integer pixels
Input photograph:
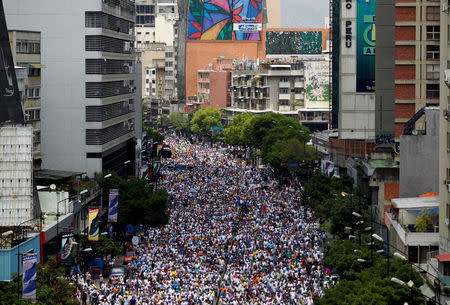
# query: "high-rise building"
{"type": "Point", "coordinates": [88, 118]}
{"type": "Point", "coordinates": [26, 51]}
{"type": "Point", "coordinates": [443, 262]}
{"type": "Point", "coordinates": [161, 28]}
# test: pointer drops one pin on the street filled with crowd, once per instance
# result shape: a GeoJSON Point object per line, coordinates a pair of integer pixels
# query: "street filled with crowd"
{"type": "Point", "coordinates": [235, 236]}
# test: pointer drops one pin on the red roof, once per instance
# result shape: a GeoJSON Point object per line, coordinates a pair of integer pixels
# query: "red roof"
{"type": "Point", "coordinates": [429, 194]}
{"type": "Point", "coordinates": [443, 257]}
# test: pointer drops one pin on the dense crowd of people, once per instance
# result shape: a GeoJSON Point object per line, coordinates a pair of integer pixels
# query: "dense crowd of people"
{"type": "Point", "coordinates": [234, 234]}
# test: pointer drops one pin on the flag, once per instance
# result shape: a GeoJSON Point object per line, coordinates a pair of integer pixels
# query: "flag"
{"type": "Point", "coordinates": [113, 205]}
{"type": "Point", "coordinates": [231, 291]}
{"type": "Point", "coordinates": [94, 224]}
{"type": "Point", "coordinates": [29, 268]}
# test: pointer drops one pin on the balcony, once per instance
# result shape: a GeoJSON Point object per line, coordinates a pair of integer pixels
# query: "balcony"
{"type": "Point", "coordinates": [409, 238]}
{"type": "Point", "coordinates": [299, 84]}
{"type": "Point", "coordinates": [284, 108]}
{"type": "Point", "coordinates": [284, 96]}
{"type": "Point", "coordinates": [299, 96]}
{"type": "Point", "coordinates": [285, 84]}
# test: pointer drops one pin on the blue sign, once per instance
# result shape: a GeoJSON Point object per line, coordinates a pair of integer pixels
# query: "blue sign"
{"type": "Point", "coordinates": [113, 205]}
{"type": "Point", "coordinates": [29, 267]}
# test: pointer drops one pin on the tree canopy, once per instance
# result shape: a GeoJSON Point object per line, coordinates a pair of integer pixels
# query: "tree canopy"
{"type": "Point", "coordinates": [204, 119]}
{"type": "Point", "coordinates": [51, 288]}
{"type": "Point", "coordinates": [179, 121]}
{"type": "Point", "coordinates": [138, 204]}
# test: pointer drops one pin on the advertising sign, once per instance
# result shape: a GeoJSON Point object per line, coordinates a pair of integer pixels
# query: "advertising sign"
{"type": "Point", "coordinates": [67, 249]}
{"type": "Point", "coordinates": [11, 108]}
{"type": "Point", "coordinates": [225, 20]}
{"type": "Point", "coordinates": [29, 268]}
{"type": "Point", "coordinates": [365, 49]}
{"type": "Point", "coordinates": [293, 43]}
{"type": "Point", "coordinates": [317, 81]}
{"type": "Point", "coordinates": [94, 225]}
{"type": "Point", "coordinates": [113, 205]}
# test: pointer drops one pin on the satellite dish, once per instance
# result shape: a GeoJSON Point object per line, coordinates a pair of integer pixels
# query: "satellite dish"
{"type": "Point", "coordinates": [414, 132]}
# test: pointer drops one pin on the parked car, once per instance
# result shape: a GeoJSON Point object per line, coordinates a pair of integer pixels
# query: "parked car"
{"type": "Point", "coordinates": [118, 273]}
{"type": "Point", "coordinates": [129, 256]}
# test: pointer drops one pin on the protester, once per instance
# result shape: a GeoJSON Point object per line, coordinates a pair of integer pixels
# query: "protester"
{"type": "Point", "coordinates": [234, 233]}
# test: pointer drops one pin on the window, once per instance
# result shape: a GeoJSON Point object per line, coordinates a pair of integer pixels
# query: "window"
{"type": "Point", "coordinates": [169, 64]}
{"type": "Point", "coordinates": [446, 269]}
{"type": "Point", "coordinates": [432, 71]}
{"type": "Point", "coordinates": [153, 81]}
{"type": "Point", "coordinates": [284, 79]}
{"type": "Point", "coordinates": [147, 33]}
{"type": "Point", "coordinates": [432, 52]}
{"type": "Point", "coordinates": [433, 13]}
{"type": "Point", "coordinates": [148, 72]}
{"type": "Point", "coordinates": [147, 81]}
{"type": "Point", "coordinates": [433, 91]}
{"type": "Point", "coordinates": [36, 137]}
{"type": "Point", "coordinates": [32, 115]}
{"type": "Point", "coordinates": [139, 33]}
{"type": "Point", "coordinates": [34, 72]}
{"type": "Point", "coordinates": [28, 47]}
{"type": "Point", "coordinates": [433, 32]}
{"type": "Point", "coordinates": [169, 73]}
{"type": "Point", "coordinates": [153, 72]}
{"type": "Point", "coordinates": [284, 91]}
{"type": "Point", "coordinates": [169, 54]}
{"type": "Point", "coordinates": [32, 92]}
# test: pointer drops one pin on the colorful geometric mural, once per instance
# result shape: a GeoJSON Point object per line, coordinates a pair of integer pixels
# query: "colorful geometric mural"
{"type": "Point", "coordinates": [214, 19]}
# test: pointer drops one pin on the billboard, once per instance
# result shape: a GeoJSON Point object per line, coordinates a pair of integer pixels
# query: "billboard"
{"type": "Point", "coordinates": [224, 20]}
{"type": "Point", "coordinates": [94, 225]}
{"type": "Point", "coordinates": [67, 249]}
{"type": "Point", "coordinates": [29, 268]}
{"type": "Point", "coordinates": [11, 108]}
{"type": "Point", "coordinates": [365, 48]}
{"type": "Point", "coordinates": [293, 42]}
{"type": "Point", "coordinates": [113, 206]}
{"type": "Point", "coordinates": [317, 81]}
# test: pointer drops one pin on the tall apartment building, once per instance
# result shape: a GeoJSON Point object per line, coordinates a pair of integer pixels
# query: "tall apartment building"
{"type": "Point", "coordinates": [281, 87]}
{"type": "Point", "coordinates": [157, 22]}
{"type": "Point", "coordinates": [26, 51]}
{"type": "Point", "coordinates": [417, 33]}
{"type": "Point", "coordinates": [88, 83]}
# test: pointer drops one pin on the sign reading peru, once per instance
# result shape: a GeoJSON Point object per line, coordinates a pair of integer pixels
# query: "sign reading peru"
{"type": "Point", "coordinates": [365, 49]}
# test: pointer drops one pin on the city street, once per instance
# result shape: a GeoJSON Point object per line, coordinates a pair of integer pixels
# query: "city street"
{"type": "Point", "coordinates": [234, 237]}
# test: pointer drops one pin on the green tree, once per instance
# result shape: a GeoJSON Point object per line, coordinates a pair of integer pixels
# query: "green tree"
{"type": "Point", "coordinates": [51, 288]}
{"type": "Point", "coordinates": [104, 246]}
{"type": "Point", "coordinates": [204, 119]}
{"type": "Point", "coordinates": [235, 133]}
{"type": "Point", "coordinates": [138, 204]}
{"type": "Point", "coordinates": [422, 221]}
{"type": "Point", "coordinates": [164, 121]}
{"type": "Point", "coordinates": [179, 121]}
{"type": "Point", "coordinates": [153, 134]}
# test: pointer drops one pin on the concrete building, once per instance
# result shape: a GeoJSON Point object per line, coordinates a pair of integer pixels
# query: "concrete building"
{"type": "Point", "coordinates": [200, 54]}
{"type": "Point", "coordinates": [442, 265]}
{"type": "Point", "coordinates": [420, 158]}
{"type": "Point", "coordinates": [278, 86]}
{"type": "Point", "coordinates": [88, 83]}
{"type": "Point", "coordinates": [26, 51]}
{"type": "Point", "coordinates": [161, 28]}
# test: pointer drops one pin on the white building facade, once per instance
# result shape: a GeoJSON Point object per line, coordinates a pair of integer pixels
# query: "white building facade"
{"type": "Point", "coordinates": [88, 84]}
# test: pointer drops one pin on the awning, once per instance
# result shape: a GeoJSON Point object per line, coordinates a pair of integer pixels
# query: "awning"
{"type": "Point", "coordinates": [429, 194]}
{"type": "Point", "coordinates": [443, 258]}
{"type": "Point", "coordinates": [415, 203]}
{"type": "Point", "coordinates": [38, 66]}
{"type": "Point", "coordinates": [425, 211]}
{"type": "Point", "coordinates": [426, 291]}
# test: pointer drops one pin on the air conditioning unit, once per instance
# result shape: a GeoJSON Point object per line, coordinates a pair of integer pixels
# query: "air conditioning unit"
{"type": "Point", "coordinates": [446, 222]}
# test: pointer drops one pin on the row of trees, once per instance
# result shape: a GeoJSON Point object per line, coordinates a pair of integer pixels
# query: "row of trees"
{"type": "Point", "coordinates": [367, 281]}
{"type": "Point", "coordinates": [278, 138]}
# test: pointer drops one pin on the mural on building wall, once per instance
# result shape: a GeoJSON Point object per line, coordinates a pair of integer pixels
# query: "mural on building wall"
{"type": "Point", "coordinates": [225, 20]}
{"type": "Point", "coordinates": [317, 81]}
{"type": "Point", "coordinates": [293, 42]}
